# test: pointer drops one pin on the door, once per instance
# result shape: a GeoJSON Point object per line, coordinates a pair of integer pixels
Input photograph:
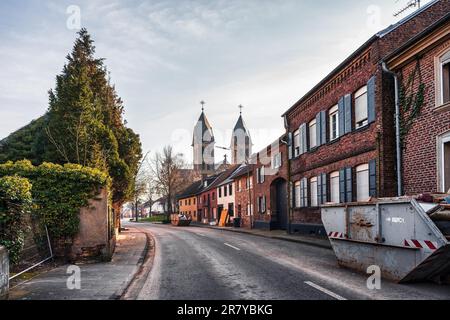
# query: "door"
{"type": "Point", "coordinates": [279, 202]}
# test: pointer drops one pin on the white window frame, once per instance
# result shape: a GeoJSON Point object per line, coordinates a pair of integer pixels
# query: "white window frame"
{"type": "Point", "coordinates": [444, 59]}
{"type": "Point", "coordinates": [276, 161]}
{"type": "Point", "coordinates": [363, 168]}
{"type": "Point", "coordinates": [312, 127]}
{"type": "Point", "coordinates": [359, 123]}
{"type": "Point", "coordinates": [334, 113]}
{"type": "Point", "coordinates": [333, 176]}
{"type": "Point", "coordinates": [314, 200]}
{"type": "Point", "coordinates": [442, 140]}
{"type": "Point", "coordinates": [297, 143]}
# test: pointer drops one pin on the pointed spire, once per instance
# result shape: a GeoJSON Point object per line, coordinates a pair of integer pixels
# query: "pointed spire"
{"type": "Point", "coordinates": [203, 105]}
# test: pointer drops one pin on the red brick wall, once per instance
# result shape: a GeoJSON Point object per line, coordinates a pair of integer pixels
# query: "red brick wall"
{"type": "Point", "coordinates": [242, 198]}
{"type": "Point", "coordinates": [420, 149]}
{"type": "Point", "coordinates": [264, 189]}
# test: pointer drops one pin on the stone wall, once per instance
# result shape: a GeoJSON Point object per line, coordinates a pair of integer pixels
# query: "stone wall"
{"type": "Point", "coordinates": [4, 273]}
{"type": "Point", "coordinates": [95, 239]}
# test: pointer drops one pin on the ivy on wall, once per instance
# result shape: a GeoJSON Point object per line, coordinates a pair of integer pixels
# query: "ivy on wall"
{"type": "Point", "coordinates": [15, 203]}
{"type": "Point", "coordinates": [412, 97]}
{"type": "Point", "coordinates": [59, 192]}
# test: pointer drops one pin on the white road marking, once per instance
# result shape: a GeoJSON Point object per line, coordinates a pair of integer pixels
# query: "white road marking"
{"type": "Point", "coordinates": [326, 291]}
{"type": "Point", "coordinates": [229, 245]}
{"type": "Point", "coordinates": [201, 235]}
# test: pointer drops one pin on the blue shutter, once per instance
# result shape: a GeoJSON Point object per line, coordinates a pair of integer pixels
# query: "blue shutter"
{"type": "Point", "coordinates": [319, 189]}
{"type": "Point", "coordinates": [373, 178]}
{"type": "Point", "coordinates": [371, 99]}
{"type": "Point", "coordinates": [342, 194]}
{"type": "Point", "coordinates": [318, 130]}
{"type": "Point", "coordinates": [323, 127]}
{"type": "Point", "coordinates": [349, 184]}
{"type": "Point", "coordinates": [304, 139]}
{"type": "Point", "coordinates": [348, 113]}
{"type": "Point", "coordinates": [341, 117]}
{"type": "Point", "coordinates": [290, 145]}
{"type": "Point", "coordinates": [324, 188]}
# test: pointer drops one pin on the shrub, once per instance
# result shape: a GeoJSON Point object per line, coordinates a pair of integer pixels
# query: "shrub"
{"type": "Point", "coordinates": [15, 201]}
{"type": "Point", "coordinates": [59, 192]}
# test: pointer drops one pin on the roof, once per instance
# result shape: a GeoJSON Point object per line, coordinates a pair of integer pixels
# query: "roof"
{"type": "Point", "coordinates": [222, 177]}
{"type": "Point", "coordinates": [418, 37]}
{"type": "Point", "coordinates": [240, 127]}
{"type": "Point", "coordinates": [203, 125]}
{"type": "Point", "coordinates": [243, 170]}
{"type": "Point", "coordinates": [190, 191]}
{"type": "Point", "coordinates": [369, 42]}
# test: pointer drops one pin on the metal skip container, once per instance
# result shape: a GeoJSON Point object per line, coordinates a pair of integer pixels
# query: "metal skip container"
{"type": "Point", "coordinates": [396, 235]}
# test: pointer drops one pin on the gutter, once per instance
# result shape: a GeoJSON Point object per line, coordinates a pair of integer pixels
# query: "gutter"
{"type": "Point", "coordinates": [397, 129]}
{"type": "Point", "coordinates": [289, 177]}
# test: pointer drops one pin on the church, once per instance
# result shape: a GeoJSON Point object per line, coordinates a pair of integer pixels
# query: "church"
{"type": "Point", "coordinates": [204, 146]}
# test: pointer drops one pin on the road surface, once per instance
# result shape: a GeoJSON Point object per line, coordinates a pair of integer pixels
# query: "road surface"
{"type": "Point", "coordinates": [198, 263]}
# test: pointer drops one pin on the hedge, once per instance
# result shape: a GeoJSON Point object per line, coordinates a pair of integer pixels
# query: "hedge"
{"type": "Point", "coordinates": [15, 202]}
{"type": "Point", "coordinates": [59, 192]}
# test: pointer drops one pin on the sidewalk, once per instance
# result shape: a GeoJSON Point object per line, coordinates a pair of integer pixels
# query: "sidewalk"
{"type": "Point", "coordinates": [275, 234]}
{"type": "Point", "coordinates": [101, 281]}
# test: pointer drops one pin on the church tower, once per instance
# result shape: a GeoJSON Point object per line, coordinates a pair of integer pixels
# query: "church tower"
{"type": "Point", "coordinates": [241, 142]}
{"type": "Point", "coordinates": [203, 145]}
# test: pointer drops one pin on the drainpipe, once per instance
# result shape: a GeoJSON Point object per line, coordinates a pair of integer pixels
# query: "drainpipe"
{"type": "Point", "coordinates": [289, 211]}
{"type": "Point", "coordinates": [397, 130]}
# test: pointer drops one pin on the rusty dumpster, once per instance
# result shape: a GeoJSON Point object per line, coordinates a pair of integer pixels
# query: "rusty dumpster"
{"type": "Point", "coordinates": [397, 235]}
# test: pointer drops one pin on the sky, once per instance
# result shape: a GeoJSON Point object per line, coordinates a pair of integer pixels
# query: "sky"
{"type": "Point", "coordinates": [167, 56]}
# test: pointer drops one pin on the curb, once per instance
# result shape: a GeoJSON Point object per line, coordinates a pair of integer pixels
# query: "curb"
{"type": "Point", "coordinates": [124, 288]}
{"type": "Point", "coordinates": [302, 241]}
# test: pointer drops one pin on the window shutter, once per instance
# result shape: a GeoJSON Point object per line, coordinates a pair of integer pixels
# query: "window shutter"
{"type": "Point", "coordinates": [371, 99]}
{"type": "Point", "coordinates": [264, 204]}
{"type": "Point", "coordinates": [323, 127]}
{"type": "Point", "coordinates": [305, 137]}
{"type": "Point", "coordinates": [318, 130]}
{"type": "Point", "coordinates": [348, 113]}
{"type": "Point", "coordinates": [319, 189]}
{"type": "Point", "coordinates": [303, 145]}
{"type": "Point", "coordinates": [304, 192]}
{"type": "Point", "coordinates": [263, 174]}
{"type": "Point", "coordinates": [373, 178]}
{"type": "Point", "coordinates": [342, 185]}
{"type": "Point", "coordinates": [349, 184]}
{"type": "Point", "coordinates": [291, 145]}
{"type": "Point", "coordinates": [292, 191]}
{"type": "Point", "coordinates": [258, 204]}
{"type": "Point", "coordinates": [324, 188]}
{"type": "Point", "coordinates": [341, 107]}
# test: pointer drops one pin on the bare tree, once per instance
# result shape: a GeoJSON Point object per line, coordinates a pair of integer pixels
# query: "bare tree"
{"type": "Point", "coordinates": [167, 170]}
{"type": "Point", "coordinates": [139, 186]}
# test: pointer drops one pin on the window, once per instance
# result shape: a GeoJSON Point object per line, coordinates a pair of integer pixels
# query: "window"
{"type": "Point", "coordinates": [444, 162]}
{"type": "Point", "coordinates": [276, 161]}
{"type": "Point", "coordinates": [297, 143]}
{"type": "Point", "coordinates": [312, 134]}
{"type": "Point", "coordinates": [225, 191]}
{"type": "Point", "coordinates": [334, 123]}
{"type": "Point", "coordinates": [361, 114]}
{"type": "Point", "coordinates": [230, 191]}
{"type": "Point", "coordinates": [297, 195]}
{"type": "Point", "coordinates": [334, 187]}
{"type": "Point", "coordinates": [214, 196]}
{"type": "Point", "coordinates": [249, 183]}
{"type": "Point", "coordinates": [313, 188]}
{"type": "Point", "coordinates": [249, 209]}
{"type": "Point", "coordinates": [445, 78]}
{"type": "Point", "coordinates": [220, 192]}
{"type": "Point", "coordinates": [190, 201]}
{"type": "Point", "coordinates": [194, 201]}
{"type": "Point", "coordinates": [362, 183]}
{"type": "Point", "coordinates": [239, 185]}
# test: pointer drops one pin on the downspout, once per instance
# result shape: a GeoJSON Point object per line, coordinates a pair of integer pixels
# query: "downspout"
{"type": "Point", "coordinates": [397, 129]}
{"type": "Point", "coordinates": [289, 209]}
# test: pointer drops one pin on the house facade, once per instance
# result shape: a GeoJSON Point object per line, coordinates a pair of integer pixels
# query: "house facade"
{"type": "Point", "coordinates": [422, 66]}
{"type": "Point", "coordinates": [244, 194]}
{"type": "Point", "coordinates": [271, 187]}
{"type": "Point", "coordinates": [342, 132]}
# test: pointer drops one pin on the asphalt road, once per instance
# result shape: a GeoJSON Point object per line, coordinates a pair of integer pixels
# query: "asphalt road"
{"type": "Point", "coordinates": [204, 264]}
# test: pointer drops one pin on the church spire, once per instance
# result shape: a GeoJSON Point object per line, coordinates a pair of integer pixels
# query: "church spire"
{"type": "Point", "coordinates": [241, 143]}
{"type": "Point", "coordinates": [203, 144]}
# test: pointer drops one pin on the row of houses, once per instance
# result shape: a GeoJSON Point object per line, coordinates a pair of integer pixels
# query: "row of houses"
{"type": "Point", "coordinates": [377, 126]}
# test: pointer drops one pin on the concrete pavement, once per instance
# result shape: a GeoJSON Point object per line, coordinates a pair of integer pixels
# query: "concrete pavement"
{"type": "Point", "coordinates": [201, 263]}
{"type": "Point", "coordinates": [102, 281]}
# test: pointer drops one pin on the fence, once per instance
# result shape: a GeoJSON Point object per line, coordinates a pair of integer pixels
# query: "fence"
{"type": "Point", "coordinates": [37, 248]}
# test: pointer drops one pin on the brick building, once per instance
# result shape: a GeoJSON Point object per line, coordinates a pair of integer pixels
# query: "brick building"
{"type": "Point", "coordinates": [343, 130]}
{"type": "Point", "coordinates": [244, 196]}
{"type": "Point", "coordinates": [423, 69]}
{"type": "Point", "coordinates": [271, 187]}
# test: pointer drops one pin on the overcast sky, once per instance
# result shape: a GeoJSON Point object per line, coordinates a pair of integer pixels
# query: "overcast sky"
{"type": "Point", "coordinates": [167, 56]}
